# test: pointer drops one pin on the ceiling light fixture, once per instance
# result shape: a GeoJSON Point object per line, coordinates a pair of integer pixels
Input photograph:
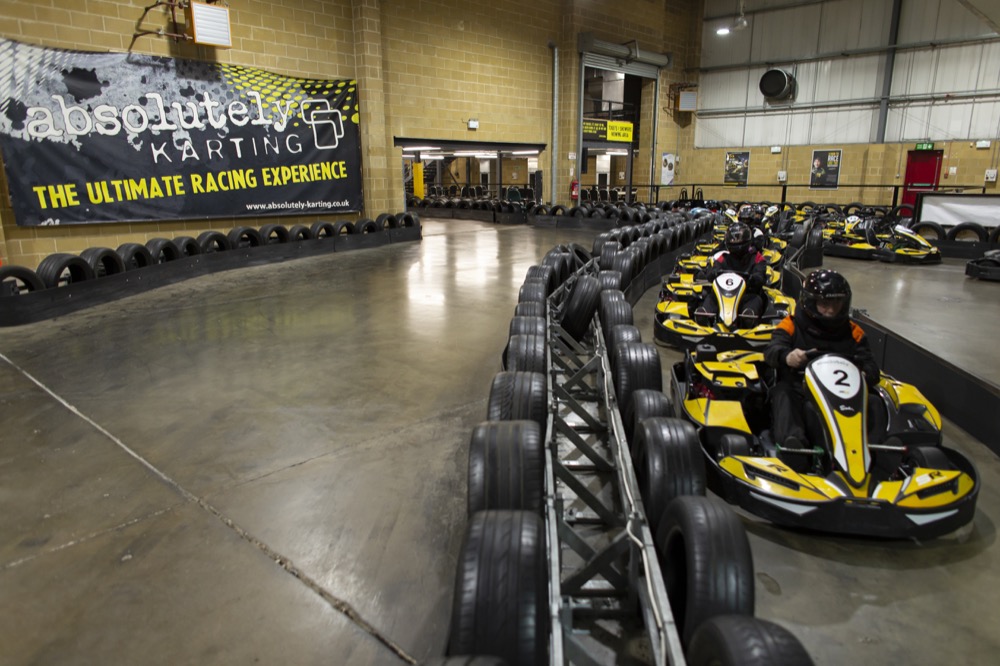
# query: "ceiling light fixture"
{"type": "Point", "coordinates": [740, 23]}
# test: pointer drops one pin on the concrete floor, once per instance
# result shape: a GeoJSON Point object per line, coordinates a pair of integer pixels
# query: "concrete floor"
{"type": "Point", "coordinates": [268, 466]}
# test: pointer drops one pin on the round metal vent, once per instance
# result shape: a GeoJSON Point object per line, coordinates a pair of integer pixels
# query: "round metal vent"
{"type": "Point", "coordinates": [777, 84]}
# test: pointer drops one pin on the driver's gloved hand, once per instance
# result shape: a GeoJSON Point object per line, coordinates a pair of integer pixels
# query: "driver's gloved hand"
{"type": "Point", "coordinates": [872, 374]}
{"type": "Point", "coordinates": [755, 282]}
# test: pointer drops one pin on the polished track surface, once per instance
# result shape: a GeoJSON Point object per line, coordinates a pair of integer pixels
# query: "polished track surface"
{"type": "Point", "coordinates": [268, 466]}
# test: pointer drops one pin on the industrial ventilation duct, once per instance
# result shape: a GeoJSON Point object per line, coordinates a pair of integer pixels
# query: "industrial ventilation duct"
{"type": "Point", "coordinates": [625, 53]}
{"type": "Point", "coordinates": [777, 84]}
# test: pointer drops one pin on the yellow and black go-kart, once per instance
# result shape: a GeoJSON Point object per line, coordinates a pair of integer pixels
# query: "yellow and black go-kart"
{"type": "Point", "coordinates": [870, 238]}
{"type": "Point", "coordinates": [874, 463]}
{"type": "Point", "coordinates": [678, 321]}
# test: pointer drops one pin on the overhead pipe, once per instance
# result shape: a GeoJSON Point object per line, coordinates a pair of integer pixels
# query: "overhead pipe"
{"type": "Point", "coordinates": [890, 64]}
{"type": "Point", "coordinates": [555, 121]}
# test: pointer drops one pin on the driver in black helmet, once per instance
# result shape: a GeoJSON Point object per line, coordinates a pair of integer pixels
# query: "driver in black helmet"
{"type": "Point", "coordinates": [740, 256]}
{"type": "Point", "coordinates": [821, 323]}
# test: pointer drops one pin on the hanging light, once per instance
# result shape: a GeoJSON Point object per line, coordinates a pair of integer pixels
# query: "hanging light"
{"type": "Point", "coordinates": [741, 22]}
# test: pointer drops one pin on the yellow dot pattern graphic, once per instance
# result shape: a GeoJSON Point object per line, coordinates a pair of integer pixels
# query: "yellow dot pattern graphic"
{"type": "Point", "coordinates": [293, 92]}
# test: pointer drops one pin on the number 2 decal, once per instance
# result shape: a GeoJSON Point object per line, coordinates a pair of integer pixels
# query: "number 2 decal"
{"type": "Point", "coordinates": [841, 376]}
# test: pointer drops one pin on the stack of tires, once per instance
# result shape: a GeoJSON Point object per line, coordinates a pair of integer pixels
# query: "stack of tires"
{"type": "Point", "coordinates": [61, 269]}
{"type": "Point", "coordinates": [501, 599]}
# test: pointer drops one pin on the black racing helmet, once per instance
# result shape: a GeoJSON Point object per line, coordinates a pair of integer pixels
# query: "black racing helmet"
{"type": "Point", "coordinates": [738, 239]}
{"type": "Point", "coordinates": [746, 214]}
{"type": "Point", "coordinates": [827, 285]}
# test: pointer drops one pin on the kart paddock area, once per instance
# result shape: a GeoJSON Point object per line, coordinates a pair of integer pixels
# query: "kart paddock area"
{"type": "Point", "coordinates": [280, 442]}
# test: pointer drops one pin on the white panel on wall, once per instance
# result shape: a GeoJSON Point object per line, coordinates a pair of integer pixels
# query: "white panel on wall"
{"type": "Point", "coordinates": [985, 121]}
{"type": "Point", "coordinates": [841, 126]}
{"type": "Point", "coordinates": [989, 77]}
{"type": "Point", "coordinates": [958, 68]}
{"type": "Point", "coordinates": [927, 20]}
{"type": "Point", "coordinates": [914, 72]}
{"type": "Point", "coordinates": [853, 24]}
{"type": "Point", "coordinates": [723, 90]}
{"type": "Point", "coordinates": [799, 129]}
{"type": "Point", "coordinates": [786, 35]}
{"type": "Point", "coordinates": [719, 132]}
{"type": "Point", "coordinates": [718, 50]}
{"type": "Point", "coordinates": [912, 122]}
{"type": "Point", "coordinates": [766, 129]}
{"type": "Point", "coordinates": [847, 78]}
{"type": "Point", "coordinates": [950, 122]}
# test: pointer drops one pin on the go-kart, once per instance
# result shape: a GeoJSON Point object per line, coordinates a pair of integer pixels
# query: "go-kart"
{"type": "Point", "coordinates": [876, 238]}
{"type": "Point", "coordinates": [874, 464]}
{"type": "Point", "coordinates": [986, 267]}
{"type": "Point", "coordinates": [678, 322]}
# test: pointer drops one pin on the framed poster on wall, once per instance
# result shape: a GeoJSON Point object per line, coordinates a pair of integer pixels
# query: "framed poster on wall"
{"type": "Point", "coordinates": [824, 174]}
{"type": "Point", "coordinates": [737, 168]}
{"type": "Point", "coordinates": [667, 169]}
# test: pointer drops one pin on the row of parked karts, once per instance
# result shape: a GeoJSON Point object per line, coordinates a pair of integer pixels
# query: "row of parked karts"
{"type": "Point", "coordinates": [874, 463]}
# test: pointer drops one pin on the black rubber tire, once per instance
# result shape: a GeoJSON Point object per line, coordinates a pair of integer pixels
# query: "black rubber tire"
{"type": "Point", "coordinates": [581, 306]}
{"type": "Point", "coordinates": [610, 250]}
{"type": "Point", "coordinates": [533, 290]}
{"type": "Point", "coordinates": [930, 457]}
{"type": "Point", "coordinates": [345, 228]}
{"type": "Point", "coordinates": [103, 260]}
{"type": "Point", "coordinates": [135, 255]}
{"type": "Point", "coordinates": [895, 212]}
{"type": "Point", "coordinates": [624, 263]}
{"type": "Point", "coordinates": [618, 336]}
{"type": "Point", "coordinates": [387, 221]}
{"type": "Point", "coordinates": [995, 235]}
{"type": "Point", "coordinates": [526, 353]}
{"type": "Point", "coordinates": [408, 220]}
{"type": "Point", "coordinates": [506, 467]}
{"type": "Point", "coordinates": [522, 325]}
{"type": "Point", "coordinates": [544, 273]}
{"type": "Point", "coordinates": [17, 280]}
{"type": "Point", "coordinates": [500, 605]}
{"type": "Point", "coordinates": [741, 640]}
{"type": "Point", "coordinates": [963, 228]}
{"type": "Point", "coordinates": [615, 311]}
{"type": "Point", "coordinates": [636, 366]}
{"type": "Point", "coordinates": [853, 207]}
{"type": "Point", "coordinates": [531, 309]}
{"type": "Point", "coordinates": [466, 660]}
{"type": "Point", "coordinates": [561, 263]}
{"type": "Point", "coordinates": [937, 229]}
{"type": "Point", "coordinates": [163, 250]}
{"type": "Point", "coordinates": [668, 463]}
{"type": "Point", "coordinates": [518, 395]}
{"type": "Point", "coordinates": [645, 404]}
{"type": "Point", "coordinates": [322, 230]}
{"type": "Point", "coordinates": [213, 241]}
{"type": "Point", "coordinates": [187, 246]}
{"type": "Point", "coordinates": [610, 280]}
{"type": "Point", "coordinates": [557, 210]}
{"type": "Point", "coordinates": [243, 237]}
{"type": "Point", "coordinates": [806, 205]}
{"type": "Point", "coordinates": [706, 562]}
{"type": "Point", "coordinates": [299, 232]}
{"type": "Point", "coordinates": [366, 226]}
{"type": "Point", "coordinates": [63, 268]}
{"type": "Point", "coordinates": [273, 234]}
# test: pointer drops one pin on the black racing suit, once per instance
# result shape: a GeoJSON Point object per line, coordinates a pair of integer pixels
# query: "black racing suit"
{"type": "Point", "coordinates": [799, 331]}
{"type": "Point", "coordinates": [753, 267]}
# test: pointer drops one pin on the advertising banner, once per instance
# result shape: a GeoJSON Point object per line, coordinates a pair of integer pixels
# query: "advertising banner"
{"type": "Point", "coordinates": [120, 137]}
{"type": "Point", "coordinates": [737, 170]}
{"type": "Point", "coordinates": [595, 129]}
{"type": "Point", "coordinates": [667, 169]}
{"type": "Point", "coordinates": [825, 171]}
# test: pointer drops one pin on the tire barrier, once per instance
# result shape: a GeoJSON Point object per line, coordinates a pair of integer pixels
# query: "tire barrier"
{"type": "Point", "coordinates": [98, 274]}
{"type": "Point", "coordinates": [579, 397]}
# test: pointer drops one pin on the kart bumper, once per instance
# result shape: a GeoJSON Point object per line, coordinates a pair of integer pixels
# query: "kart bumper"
{"type": "Point", "coordinates": [892, 256]}
{"type": "Point", "coordinates": [849, 516]}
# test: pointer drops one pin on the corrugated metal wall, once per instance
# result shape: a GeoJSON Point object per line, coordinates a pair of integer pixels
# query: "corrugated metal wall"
{"type": "Point", "coordinates": [939, 91]}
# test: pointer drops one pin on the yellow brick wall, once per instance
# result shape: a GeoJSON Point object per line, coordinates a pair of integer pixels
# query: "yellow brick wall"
{"type": "Point", "coordinates": [869, 172]}
{"type": "Point", "coordinates": [424, 69]}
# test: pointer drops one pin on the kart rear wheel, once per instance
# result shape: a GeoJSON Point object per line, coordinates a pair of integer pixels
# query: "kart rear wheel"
{"type": "Point", "coordinates": [929, 457]}
{"type": "Point", "coordinates": [518, 395]}
{"type": "Point", "coordinates": [740, 640]}
{"type": "Point", "coordinates": [501, 593]}
{"type": "Point", "coordinates": [506, 467]}
{"type": "Point", "coordinates": [706, 562]}
{"type": "Point", "coordinates": [668, 463]}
